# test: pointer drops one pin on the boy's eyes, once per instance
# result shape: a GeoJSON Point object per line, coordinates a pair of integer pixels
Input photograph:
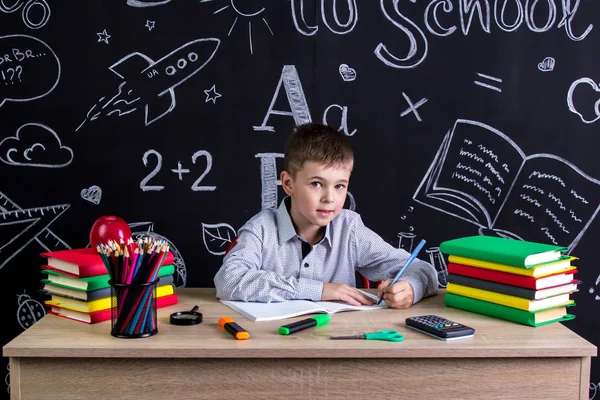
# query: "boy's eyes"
{"type": "Point", "coordinates": [318, 184]}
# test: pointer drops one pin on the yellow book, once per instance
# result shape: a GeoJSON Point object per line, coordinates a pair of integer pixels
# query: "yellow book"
{"type": "Point", "coordinates": [99, 304]}
{"type": "Point", "coordinates": [510, 301]}
{"type": "Point", "coordinates": [534, 272]}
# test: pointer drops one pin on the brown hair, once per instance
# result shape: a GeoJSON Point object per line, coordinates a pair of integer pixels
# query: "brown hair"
{"type": "Point", "coordinates": [316, 142]}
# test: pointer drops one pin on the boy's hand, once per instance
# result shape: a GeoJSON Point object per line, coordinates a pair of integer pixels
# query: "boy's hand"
{"type": "Point", "coordinates": [345, 293]}
{"type": "Point", "coordinates": [400, 295]}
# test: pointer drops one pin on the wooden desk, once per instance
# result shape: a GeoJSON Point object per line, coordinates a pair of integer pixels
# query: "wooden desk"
{"type": "Point", "coordinates": [61, 359]}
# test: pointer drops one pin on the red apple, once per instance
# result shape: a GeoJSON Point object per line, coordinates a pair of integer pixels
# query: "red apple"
{"type": "Point", "coordinates": [107, 228]}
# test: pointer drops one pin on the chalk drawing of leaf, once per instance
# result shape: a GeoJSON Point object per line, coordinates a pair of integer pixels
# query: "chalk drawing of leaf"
{"type": "Point", "coordinates": [217, 237]}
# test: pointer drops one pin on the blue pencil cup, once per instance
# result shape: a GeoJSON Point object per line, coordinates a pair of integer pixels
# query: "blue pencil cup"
{"type": "Point", "coordinates": [133, 310]}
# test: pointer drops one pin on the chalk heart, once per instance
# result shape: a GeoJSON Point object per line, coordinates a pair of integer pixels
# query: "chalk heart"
{"type": "Point", "coordinates": [547, 65]}
{"type": "Point", "coordinates": [348, 74]}
{"type": "Point", "coordinates": [93, 194]}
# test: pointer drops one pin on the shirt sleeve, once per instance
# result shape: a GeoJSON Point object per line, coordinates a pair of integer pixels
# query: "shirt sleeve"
{"type": "Point", "coordinates": [242, 278]}
{"type": "Point", "coordinates": [378, 260]}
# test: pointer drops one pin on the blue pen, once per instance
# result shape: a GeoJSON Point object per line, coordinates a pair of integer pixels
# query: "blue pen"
{"type": "Point", "coordinates": [406, 265]}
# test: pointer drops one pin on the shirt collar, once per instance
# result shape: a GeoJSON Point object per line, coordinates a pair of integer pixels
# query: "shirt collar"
{"type": "Point", "coordinates": [286, 227]}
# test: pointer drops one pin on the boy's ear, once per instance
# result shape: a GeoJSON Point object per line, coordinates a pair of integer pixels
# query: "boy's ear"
{"type": "Point", "coordinates": [286, 182]}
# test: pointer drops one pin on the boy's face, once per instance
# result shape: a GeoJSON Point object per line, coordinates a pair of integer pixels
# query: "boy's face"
{"type": "Point", "coordinates": [318, 194]}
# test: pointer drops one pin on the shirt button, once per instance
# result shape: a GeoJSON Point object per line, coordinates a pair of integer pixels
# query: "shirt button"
{"type": "Point", "coordinates": [306, 265]}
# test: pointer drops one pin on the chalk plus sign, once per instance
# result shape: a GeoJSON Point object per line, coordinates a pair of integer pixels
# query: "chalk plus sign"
{"type": "Point", "coordinates": [413, 107]}
{"type": "Point", "coordinates": [180, 170]}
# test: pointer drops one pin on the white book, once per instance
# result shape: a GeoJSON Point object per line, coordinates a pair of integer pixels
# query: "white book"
{"type": "Point", "coordinates": [255, 311]}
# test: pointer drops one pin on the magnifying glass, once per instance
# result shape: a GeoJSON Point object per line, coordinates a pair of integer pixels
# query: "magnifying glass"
{"type": "Point", "coordinates": [191, 317]}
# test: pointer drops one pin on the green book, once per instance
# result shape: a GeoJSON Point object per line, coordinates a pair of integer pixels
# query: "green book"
{"type": "Point", "coordinates": [537, 318]}
{"type": "Point", "coordinates": [91, 282]}
{"type": "Point", "coordinates": [518, 253]}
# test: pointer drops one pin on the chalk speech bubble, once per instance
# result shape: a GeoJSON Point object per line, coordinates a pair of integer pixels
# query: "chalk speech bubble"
{"type": "Point", "coordinates": [29, 68]}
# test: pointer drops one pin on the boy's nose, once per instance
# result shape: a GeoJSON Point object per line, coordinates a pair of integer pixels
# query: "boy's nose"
{"type": "Point", "coordinates": [327, 197]}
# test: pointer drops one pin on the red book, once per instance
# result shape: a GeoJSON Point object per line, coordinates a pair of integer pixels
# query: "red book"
{"type": "Point", "coordinates": [513, 279]}
{"type": "Point", "coordinates": [104, 315]}
{"type": "Point", "coordinates": [82, 263]}
{"type": "Point", "coordinates": [88, 318]}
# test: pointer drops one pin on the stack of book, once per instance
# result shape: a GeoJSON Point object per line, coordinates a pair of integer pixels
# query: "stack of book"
{"type": "Point", "coordinates": [525, 282]}
{"type": "Point", "coordinates": [77, 282]}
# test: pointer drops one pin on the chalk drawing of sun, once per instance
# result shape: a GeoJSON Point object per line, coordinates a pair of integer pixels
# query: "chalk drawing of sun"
{"type": "Point", "coordinates": [243, 13]}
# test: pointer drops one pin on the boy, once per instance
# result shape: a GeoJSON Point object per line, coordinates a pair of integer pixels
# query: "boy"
{"type": "Point", "coordinates": [309, 248]}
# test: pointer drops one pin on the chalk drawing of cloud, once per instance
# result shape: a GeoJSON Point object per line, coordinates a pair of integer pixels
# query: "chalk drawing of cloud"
{"type": "Point", "coordinates": [35, 145]}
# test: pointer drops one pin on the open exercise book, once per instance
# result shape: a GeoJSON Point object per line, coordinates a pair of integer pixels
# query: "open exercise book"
{"type": "Point", "coordinates": [482, 176]}
{"type": "Point", "coordinates": [292, 308]}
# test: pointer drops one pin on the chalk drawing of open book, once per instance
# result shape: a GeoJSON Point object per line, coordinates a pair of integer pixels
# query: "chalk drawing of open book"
{"type": "Point", "coordinates": [481, 176]}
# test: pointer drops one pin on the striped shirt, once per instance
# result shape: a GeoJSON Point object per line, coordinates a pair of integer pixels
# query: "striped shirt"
{"type": "Point", "coordinates": [267, 263]}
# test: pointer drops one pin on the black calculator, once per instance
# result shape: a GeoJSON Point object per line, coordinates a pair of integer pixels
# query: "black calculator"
{"type": "Point", "coordinates": [439, 327]}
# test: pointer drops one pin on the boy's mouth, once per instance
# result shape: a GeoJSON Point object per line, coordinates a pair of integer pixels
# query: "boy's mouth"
{"type": "Point", "coordinates": [325, 213]}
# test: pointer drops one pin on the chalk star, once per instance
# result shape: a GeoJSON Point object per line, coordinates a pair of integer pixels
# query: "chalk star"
{"type": "Point", "coordinates": [211, 95]}
{"type": "Point", "coordinates": [103, 36]}
{"type": "Point", "coordinates": [150, 24]}
{"type": "Point", "coordinates": [413, 107]}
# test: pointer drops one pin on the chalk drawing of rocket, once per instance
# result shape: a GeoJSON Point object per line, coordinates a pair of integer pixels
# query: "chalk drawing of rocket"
{"type": "Point", "coordinates": [158, 79]}
{"type": "Point", "coordinates": [152, 83]}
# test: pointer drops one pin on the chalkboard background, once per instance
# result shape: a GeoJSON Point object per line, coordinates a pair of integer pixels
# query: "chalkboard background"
{"type": "Point", "coordinates": [466, 117]}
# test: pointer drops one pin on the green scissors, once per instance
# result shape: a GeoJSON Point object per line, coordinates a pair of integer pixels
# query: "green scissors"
{"type": "Point", "coordinates": [389, 336]}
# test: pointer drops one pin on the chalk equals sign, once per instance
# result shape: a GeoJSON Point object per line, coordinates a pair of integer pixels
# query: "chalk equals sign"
{"type": "Point", "coordinates": [489, 85]}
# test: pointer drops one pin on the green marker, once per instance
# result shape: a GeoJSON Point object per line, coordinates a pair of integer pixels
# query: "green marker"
{"type": "Point", "coordinates": [317, 320]}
